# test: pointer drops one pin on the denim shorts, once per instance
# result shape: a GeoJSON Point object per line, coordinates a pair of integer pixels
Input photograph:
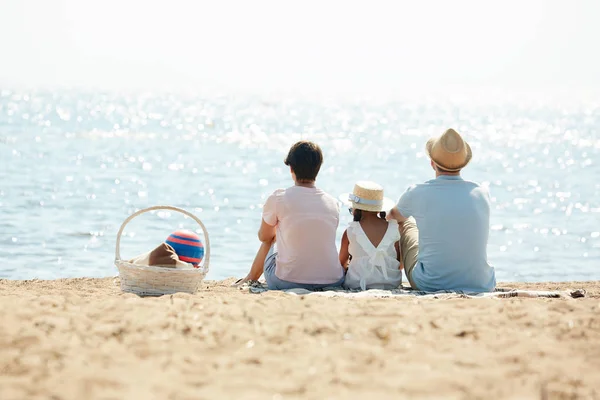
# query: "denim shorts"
{"type": "Point", "coordinates": [274, 283]}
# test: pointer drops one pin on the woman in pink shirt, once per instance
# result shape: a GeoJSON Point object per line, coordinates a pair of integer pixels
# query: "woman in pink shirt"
{"type": "Point", "coordinates": [304, 219]}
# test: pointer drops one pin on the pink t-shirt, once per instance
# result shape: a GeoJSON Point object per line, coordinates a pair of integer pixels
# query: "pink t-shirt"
{"type": "Point", "coordinates": [307, 220]}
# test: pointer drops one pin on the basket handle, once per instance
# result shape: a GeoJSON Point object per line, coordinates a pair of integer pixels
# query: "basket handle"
{"type": "Point", "coordinates": [132, 216]}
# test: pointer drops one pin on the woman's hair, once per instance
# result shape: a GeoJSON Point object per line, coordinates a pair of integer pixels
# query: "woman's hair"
{"type": "Point", "coordinates": [358, 214]}
{"type": "Point", "coordinates": [305, 159]}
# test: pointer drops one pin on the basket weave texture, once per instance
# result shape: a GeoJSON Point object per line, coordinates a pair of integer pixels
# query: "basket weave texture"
{"type": "Point", "coordinates": [157, 281]}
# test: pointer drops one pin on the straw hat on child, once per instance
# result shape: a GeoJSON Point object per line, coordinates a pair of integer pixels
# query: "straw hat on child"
{"type": "Point", "coordinates": [449, 151]}
{"type": "Point", "coordinates": [368, 196]}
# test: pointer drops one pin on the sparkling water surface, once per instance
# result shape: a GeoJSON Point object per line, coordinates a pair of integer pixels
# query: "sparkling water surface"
{"type": "Point", "coordinates": [75, 165]}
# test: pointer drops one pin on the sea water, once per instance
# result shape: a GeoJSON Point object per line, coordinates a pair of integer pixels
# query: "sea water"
{"type": "Point", "coordinates": [74, 165]}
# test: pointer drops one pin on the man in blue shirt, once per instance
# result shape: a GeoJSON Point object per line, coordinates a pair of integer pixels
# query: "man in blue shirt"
{"type": "Point", "coordinates": [446, 249]}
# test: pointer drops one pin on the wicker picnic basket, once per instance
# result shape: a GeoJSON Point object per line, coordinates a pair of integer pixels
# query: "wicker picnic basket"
{"type": "Point", "coordinates": [157, 281]}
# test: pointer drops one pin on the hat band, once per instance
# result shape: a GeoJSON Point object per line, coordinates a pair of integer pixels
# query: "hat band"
{"type": "Point", "coordinates": [367, 202]}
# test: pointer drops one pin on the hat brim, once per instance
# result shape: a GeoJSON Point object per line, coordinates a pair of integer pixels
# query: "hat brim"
{"type": "Point", "coordinates": [387, 204]}
{"type": "Point", "coordinates": [429, 146]}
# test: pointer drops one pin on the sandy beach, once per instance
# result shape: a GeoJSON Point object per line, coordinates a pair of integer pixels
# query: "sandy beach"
{"type": "Point", "coordinates": [85, 339]}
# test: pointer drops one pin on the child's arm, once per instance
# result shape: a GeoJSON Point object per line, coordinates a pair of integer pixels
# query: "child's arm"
{"type": "Point", "coordinates": [344, 253]}
{"type": "Point", "coordinates": [399, 254]}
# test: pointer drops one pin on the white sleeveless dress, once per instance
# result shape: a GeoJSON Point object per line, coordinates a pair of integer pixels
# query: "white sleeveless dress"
{"type": "Point", "coordinates": [373, 267]}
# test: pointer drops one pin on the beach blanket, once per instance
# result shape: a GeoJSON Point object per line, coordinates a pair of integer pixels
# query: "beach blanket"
{"type": "Point", "coordinates": [261, 287]}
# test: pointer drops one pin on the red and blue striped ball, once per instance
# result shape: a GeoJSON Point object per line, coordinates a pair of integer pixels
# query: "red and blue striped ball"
{"type": "Point", "coordinates": [188, 246]}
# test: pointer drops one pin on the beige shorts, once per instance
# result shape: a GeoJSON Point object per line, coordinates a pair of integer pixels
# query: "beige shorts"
{"type": "Point", "coordinates": [409, 244]}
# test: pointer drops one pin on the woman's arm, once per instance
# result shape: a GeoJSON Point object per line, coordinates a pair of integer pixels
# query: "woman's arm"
{"type": "Point", "coordinates": [257, 268]}
{"type": "Point", "coordinates": [266, 232]}
{"type": "Point", "coordinates": [344, 253]}
{"type": "Point", "coordinates": [266, 235]}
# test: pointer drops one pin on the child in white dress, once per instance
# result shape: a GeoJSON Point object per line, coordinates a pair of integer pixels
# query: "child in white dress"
{"type": "Point", "coordinates": [370, 249]}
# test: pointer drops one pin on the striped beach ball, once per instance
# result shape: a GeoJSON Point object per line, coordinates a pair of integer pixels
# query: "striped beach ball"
{"type": "Point", "coordinates": [188, 246]}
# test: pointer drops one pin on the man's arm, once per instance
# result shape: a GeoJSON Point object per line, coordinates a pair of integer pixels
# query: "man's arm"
{"type": "Point", "coordinates": [395, 214]}
{"type": "Point", "coordinates": [406, 204]}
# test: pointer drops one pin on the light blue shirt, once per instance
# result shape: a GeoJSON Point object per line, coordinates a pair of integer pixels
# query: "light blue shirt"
{"type": "Point", "coordinates": [453, 218]}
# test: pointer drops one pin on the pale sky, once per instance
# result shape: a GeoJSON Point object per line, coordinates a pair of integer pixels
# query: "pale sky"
{"type": "Point", "coordinates": [320, 45]}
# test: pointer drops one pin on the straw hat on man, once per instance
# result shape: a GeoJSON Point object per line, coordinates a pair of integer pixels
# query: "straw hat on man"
{"type": "Point", "coordinates": [449, 151]}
